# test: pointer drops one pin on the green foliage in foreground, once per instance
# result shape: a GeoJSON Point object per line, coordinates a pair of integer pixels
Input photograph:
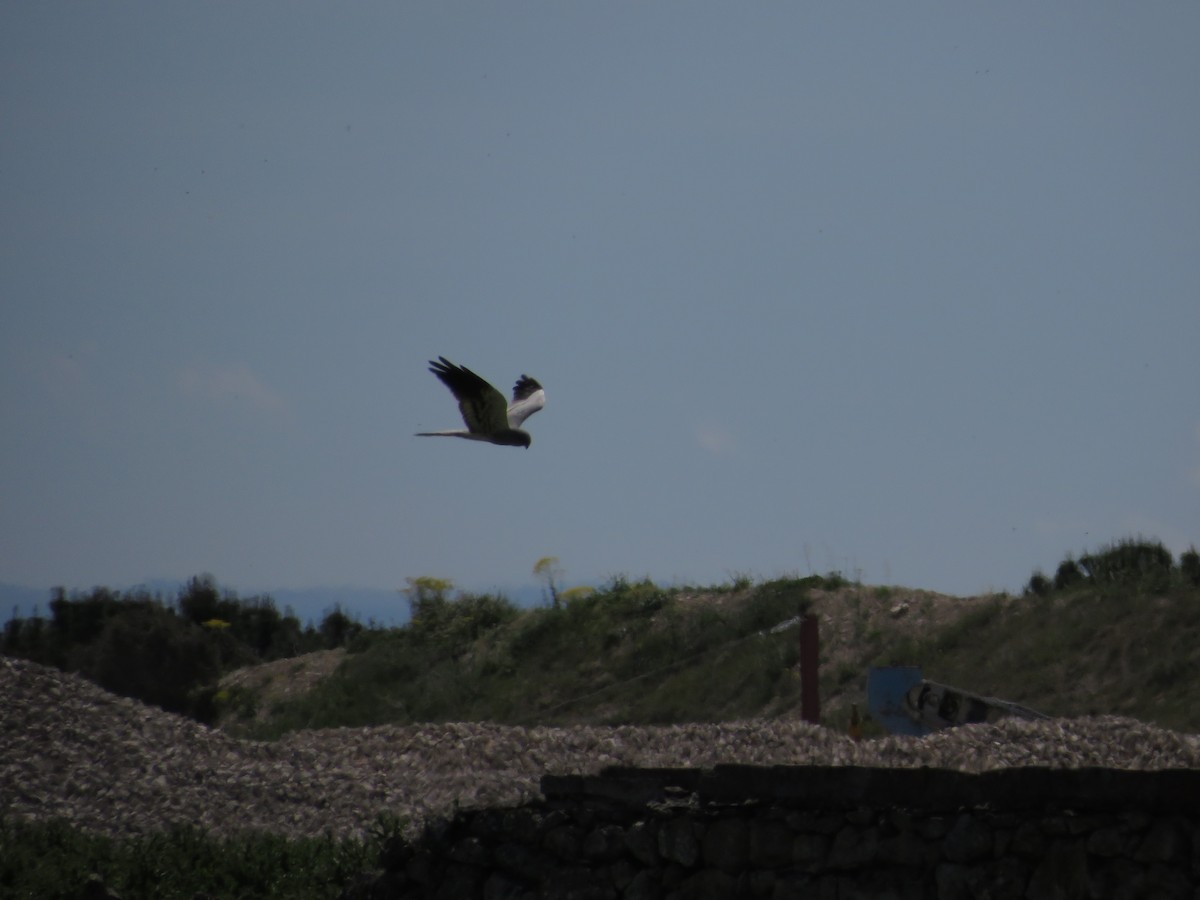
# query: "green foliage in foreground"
{"type": "Point", "coordinates": [51, 860]}
{"type": "Point", "coordinates": [629, 653]}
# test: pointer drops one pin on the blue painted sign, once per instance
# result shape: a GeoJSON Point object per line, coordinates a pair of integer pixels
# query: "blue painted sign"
{"type": "Point", "coordinates": [887, 693]}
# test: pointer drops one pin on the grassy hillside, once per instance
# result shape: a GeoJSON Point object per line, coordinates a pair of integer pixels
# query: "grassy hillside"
{"type": "Point", "coordinates": [630, 653]}
{"type": "Point", "coordinates": [1127, 643]}
{"type": "Point", "coordinates": [1080, 652]}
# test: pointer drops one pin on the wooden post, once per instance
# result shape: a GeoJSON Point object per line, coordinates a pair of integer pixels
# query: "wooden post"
{"type": "Point", "coordinates": [810, 652]}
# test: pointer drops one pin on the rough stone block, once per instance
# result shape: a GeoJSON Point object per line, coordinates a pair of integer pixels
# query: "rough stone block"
{"type": "Point", "coordinates": [880, 884]}
{"type": "Point", "coordinates": [726, 845]}
{"type": "Point", "coordinates": [1108, 841]}
{"type": "Point", "coordinates": [523, 862]}
{"type": "Point", "coordinates": [1062, 873]}
{"type": "Point", "coordinates": [933, 828]}
{"type": "Point", "coordinates": [792, 886]}
{"type": "Point", "coordinates": [906, 849]}
{"type": "Point", "coordinates": [1056, 826]}
{"type": "Point", "coordinates": [646, 885]}
{"type": "Point", "coordinates": [604, 843]}
{"type": "Point", "coordinates": [622, 872]}
{"type": "Point", "coordinates": [1006, 879]}
{"type": "Point", "coordinates": [762, 882]}
{"type": "Point", "coordinates": [642, 840]}
{"type": "Point", "coordinates": [1027, 841]}
{"type": "Point", "coordinates": [460, 881]}
{"type": "Point", "coordinates": [955, 881]}
{"type": "Point", "coordinates": [470, 850]}
{"type": "Point", "coordinates": [502, 887]}
{"type": "Point", "coordinates": [815, 822]}
{"type": "Point", "coordinates": [1164, 842]}
{"type": "Point", "coordinates": [677, 842]}
{"type": "Point", "coordinates": [1167, 881]}
{"type": "Point", "coordinates": [565, 842]}
{"type": "Point", "coordinates": [1118, 879]}
{"type": "Point", "coordinates": [853, 847]}
{"type": "Point", "coordinates": [861, 817]}
{"type": "Point", "coordinates": [710, 884]}
{"type": "Point", "coordinates": [420, 868]}
{"type": "Point", "coordinates": [523, 823]}
{"type": "Point", "coordinates": [576, 883]}
{"type": "Point", "coordinates": [770, 844]}
{"type": "Point", "coordinates": [809, 851]}
{"type": "Point", "coordinates": [968, 840]}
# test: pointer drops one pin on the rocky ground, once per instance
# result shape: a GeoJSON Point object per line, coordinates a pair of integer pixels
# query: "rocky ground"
{"type": "Point", "coordinates": [108, 764]}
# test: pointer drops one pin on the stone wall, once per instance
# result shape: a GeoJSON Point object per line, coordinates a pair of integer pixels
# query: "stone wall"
{"type": "Point", "coordinates": [817, 832]}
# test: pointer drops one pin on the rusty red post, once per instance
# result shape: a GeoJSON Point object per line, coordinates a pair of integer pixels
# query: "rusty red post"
{"type": "Point", "coordinates": [810, 652]}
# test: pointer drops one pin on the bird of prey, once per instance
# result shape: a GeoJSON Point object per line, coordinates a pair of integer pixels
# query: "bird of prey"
{"type": "Point", "coordinates": [487, 416]}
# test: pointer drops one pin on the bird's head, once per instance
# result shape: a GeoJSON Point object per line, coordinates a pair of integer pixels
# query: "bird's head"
{"type": "Point", "coordinates": [513, 437]}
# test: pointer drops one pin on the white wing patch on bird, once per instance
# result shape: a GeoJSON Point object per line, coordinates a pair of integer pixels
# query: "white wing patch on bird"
{"type": "Point", "coordinates": [528, 398]}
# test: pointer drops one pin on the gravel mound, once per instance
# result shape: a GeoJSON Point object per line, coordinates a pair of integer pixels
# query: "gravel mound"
{"type": "Point", "coordinates": [109, 764]}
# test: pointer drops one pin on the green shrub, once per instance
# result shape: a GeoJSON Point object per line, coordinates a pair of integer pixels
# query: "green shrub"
{"type": "Point", "coordinates": [1129, 561]}
{"type": "Point", "coordinates": [774, 602]}
{"type": "Point", "coordinates": [1038, 585]}
{"type": "Point", "coordinates": [1189, 566]}
{"type": "Point", "coordinates": [1135, 563]}
{"type": "Point", "coordinates": [452, 625]}
{"type": "Point", "coordinates": [52, 860]}
{"type": "Point", "coordinates": [641, 598]}
{"type": "Point", "coordinates": [1067, 575]}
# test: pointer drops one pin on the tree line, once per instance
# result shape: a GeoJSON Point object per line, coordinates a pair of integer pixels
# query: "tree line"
{"type": "Point", "coordinates": [1129, 564]}
{"type": "Point", "coordinates": [169, 654]}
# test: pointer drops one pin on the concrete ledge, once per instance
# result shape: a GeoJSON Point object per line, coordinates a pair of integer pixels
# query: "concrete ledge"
{"type": "Point", "coordinates": [848, 787]}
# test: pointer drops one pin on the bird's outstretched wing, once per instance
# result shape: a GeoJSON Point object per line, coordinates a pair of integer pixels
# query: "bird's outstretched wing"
{"type": "Point", "coordinates": [528, 398]}
{"type": "Point", "coordinates": [483, 408]}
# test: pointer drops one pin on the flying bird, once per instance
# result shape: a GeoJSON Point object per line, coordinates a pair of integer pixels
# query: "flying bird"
{"type": "Point", "coordinates": [484, 410]}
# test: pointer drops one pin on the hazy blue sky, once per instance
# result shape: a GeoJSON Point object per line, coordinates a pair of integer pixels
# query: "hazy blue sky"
{"type": "Point", "coordinates": [906, 290]}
